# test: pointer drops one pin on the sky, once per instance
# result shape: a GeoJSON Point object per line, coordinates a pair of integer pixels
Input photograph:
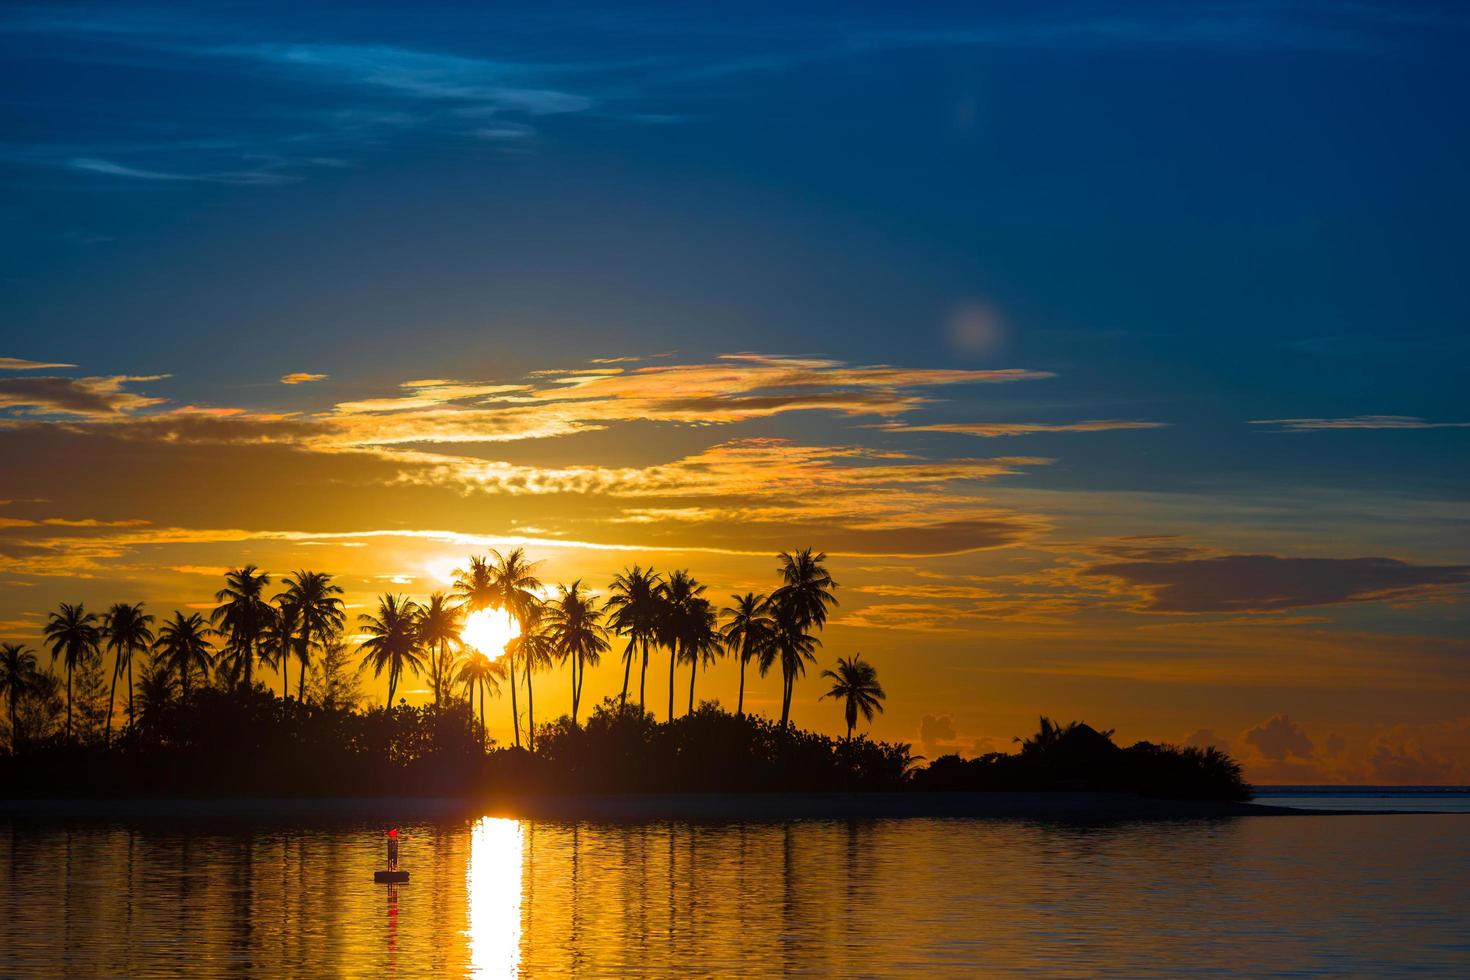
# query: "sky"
{"type": "Point", "coordinates": [1112, 352]}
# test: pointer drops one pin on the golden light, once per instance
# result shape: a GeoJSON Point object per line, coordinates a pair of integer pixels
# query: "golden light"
{"type": "Point", "coordinates": [494, 885]}
{"type": "Point", "coordinates": [489, 630]}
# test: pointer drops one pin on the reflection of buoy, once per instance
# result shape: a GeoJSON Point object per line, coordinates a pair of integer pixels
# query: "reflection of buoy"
{"type": "Point", "coordinates": [390, 877]}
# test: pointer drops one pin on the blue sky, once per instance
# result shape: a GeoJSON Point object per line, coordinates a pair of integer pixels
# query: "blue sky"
{"type": "Point", "coordinates": [1232, 232]}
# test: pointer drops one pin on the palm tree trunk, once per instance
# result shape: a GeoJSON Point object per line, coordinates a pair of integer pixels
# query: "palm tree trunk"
{"type": "Point", "coordinates": [627, 673]}
{"type": "Point", "coordinates": [740, 701]}
{"type": "Point", "coordinates": [693, 673]}
{"type": "Point", "coordinates": [530, 710]}
{"type": "Point", "coordinates": [643, 676]}
{"type": "Point", "coordinates": [301, 681]}
{"type": "Point", "coordinates": [786, 700]}
{"type": "Point", "coordinates": [671, 682]}
{"type": "Point", "coordinates": [68, 702]}
{"type": "Point", "coordinates": [515, 715]}
{"type": "Point", "coordinates": [581, 676]}
{"type": "Point", "coordinates": [130, 689]}
{"type": "Point", "coordinates": [484, 736]}
{"type": "Point", "coordinates": [575, 692]}
{"type": "Point", "coordinates": [285, 676]}
{"type": "Point", "coordinates": [392, 686]}
{"type": "Point", "coordinates": [111, 693]}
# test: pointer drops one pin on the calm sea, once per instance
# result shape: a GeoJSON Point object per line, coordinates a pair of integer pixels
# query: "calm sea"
{"type": "Point", "coordinates": [494, 897]}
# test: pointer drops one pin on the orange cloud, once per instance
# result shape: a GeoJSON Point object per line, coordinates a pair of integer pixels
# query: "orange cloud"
{"type": "Point", "coordinates": [21, 364]}
{"type": "Point", "coordinates": [301, 378]}
{"type": "Point", "coordinates": [102, 397]}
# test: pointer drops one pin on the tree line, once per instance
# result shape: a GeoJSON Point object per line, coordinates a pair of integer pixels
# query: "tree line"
{"type": "Point", "coordinates": [304, 625]}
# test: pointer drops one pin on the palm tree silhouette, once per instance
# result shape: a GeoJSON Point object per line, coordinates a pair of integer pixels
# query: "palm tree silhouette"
{"type": "Point", "coordinates": [183, 644]}
{"type": "Point", "coordinates": [633, 611]}
{"type": "Point", "coordinates": [478, 670]}
{"type": "Point", "coordinates": [18, 678]}
{"type": "Point", "coordinates": [277, 642]}
{"type": "Point", "coordinates": [127, 630]}
{"type": "Point", "coordinates": [855, 683]}
{"type": "Point", "coordinates": [535, 649]}
{"type": "Point", "coordinates": [678, 594]}
{"type": "Point", "coordinates": [242, 617]}
{"type": "Point", "coordinates": [155, 692]}
{"type": "Point", "coordinates": [439, 629]}
{"type": "Point", "coordinates": [507, 582]}
{"type": "Point", "coordinates": [793, 647]}
{"type": "Point", "coordinates": [392, 639]}
{"type": "Point", "coordinates": [73, 636]}
{"type": "Point", "coordinates": [801, 602]}
{"type": "Point", "coordinates": [516, 585]}
{"type": "Point", "coordinates": [747, 631]}
{"type": "Point", "coordinates": [702, 643]}
{"type": "Point", "coordinates": [577, 635]}
{"type": "Point", "coordinates": [475, 588]}
{"type": "Point", "coordinates": [313, 598]}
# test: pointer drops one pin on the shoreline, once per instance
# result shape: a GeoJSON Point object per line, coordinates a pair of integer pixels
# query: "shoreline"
{"type": "Point", "coordinates": [704, 807]}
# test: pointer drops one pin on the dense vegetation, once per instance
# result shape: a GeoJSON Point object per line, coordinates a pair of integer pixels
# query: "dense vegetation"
{"type": "Point", "coordinates": [198, 722]}
{"type": "Point", "coordinates": [1079, 757]}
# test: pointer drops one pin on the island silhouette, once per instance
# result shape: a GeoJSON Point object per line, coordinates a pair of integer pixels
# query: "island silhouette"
{"type": "Point", "coordinates": [196, 721]}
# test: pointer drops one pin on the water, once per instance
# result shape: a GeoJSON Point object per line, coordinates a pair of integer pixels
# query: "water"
{"type": "Point", "coordinates": [497, 897]}
{"type": "Point", "coordinates": [1431, 799]}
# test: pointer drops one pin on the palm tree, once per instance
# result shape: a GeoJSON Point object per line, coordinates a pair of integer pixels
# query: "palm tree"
{"type": "Point", "coordinates": [155, 692]}
{"type": "Point", "coordinates": [183, 644]}
{"type": "Point", "coordinates": [439, 627]}
{"type": "Point", "coordinates": [678, 594]}
{"type": "Point", "coordinates": [319, 616]}
{"type": "Point", "coordinates": [793, 646]}
{"type": "Point", "coordinates": [803, 599]}
{"type": "Point", "coordinates": [277, 643]}
{"type": "Point", "coordinates": [535, 650]}
{"type": "Point", "coordinates": [806, 587]}
{"type": "Point", "coordinates": [747, 631]}
{"type": "Point", "coordinates": [633, 610]}
{"type": "Point", "coordinates": [392, 639]}
{"type": "Point", "coordinates": [855, 682]}
{"type": "Point", "coordinates": [241, 618]}
{"type": "Point", "coordinates": [576, 635]}
{"type": "Point", "coordinates": [18, 678]}
{"type": "Point", "coordinates": [478, 670]}
{"type": "Point", "coordinates": [507, 582]}
{"type": "Point", "coordinates": [127, 629]}
{"type": "Point", "coordinates": [701, 641]}
{"type": "Point", "coordinates": [73, 635]}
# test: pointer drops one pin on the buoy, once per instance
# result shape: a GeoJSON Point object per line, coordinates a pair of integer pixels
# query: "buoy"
{"type": "Point", "coordinates": [390, 877]}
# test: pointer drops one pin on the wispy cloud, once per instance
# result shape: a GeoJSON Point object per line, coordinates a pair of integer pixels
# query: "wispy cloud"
{"type": "Point", "coordinates": [103, 397]}
{"type": "Point", "coordinates": [334, 100]}
{"type": "Point", "coordinates": [111, 169]}
{"type": "Point", "coordinates": [992, 430]}
{"type": "Point", "coordinates": [1359, 422]}
{"type": "Point", "coordinates": [1271, 583]}
{"type": "Point", "coordinates": [301, 378]}
{"type": "Point", "coordinates": [21, 364]}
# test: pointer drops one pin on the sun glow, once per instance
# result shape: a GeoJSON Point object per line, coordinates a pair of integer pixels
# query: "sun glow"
{"type": "Point", "coordinates": [489, 630]}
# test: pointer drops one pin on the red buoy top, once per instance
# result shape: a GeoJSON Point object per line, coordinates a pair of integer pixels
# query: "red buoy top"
{"type": "Point", "coordinates": [393, 833]}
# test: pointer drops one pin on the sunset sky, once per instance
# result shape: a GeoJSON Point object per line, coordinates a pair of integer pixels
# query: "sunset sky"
{"type": "Point", "coordinates": [1113, 352]}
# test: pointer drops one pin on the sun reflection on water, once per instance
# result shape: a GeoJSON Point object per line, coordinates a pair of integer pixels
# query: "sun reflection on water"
{"type": "Point", "coordinates": [494, 884]}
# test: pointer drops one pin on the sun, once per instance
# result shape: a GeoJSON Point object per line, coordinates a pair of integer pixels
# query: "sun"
{"type": "Point", "coordinates": [489, 630]}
